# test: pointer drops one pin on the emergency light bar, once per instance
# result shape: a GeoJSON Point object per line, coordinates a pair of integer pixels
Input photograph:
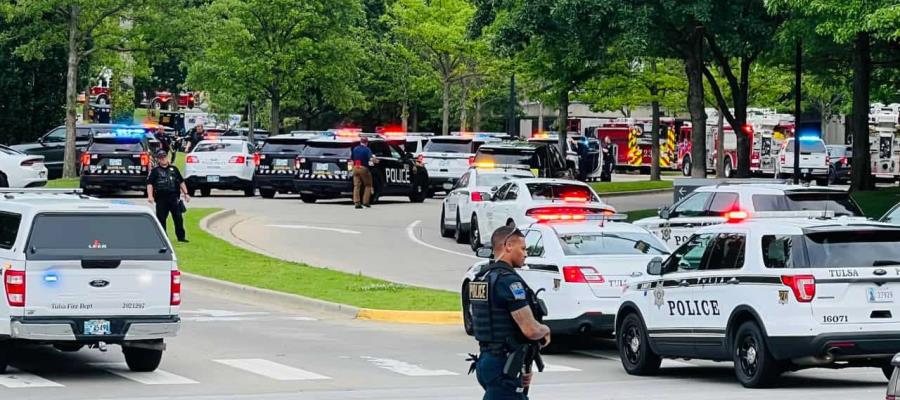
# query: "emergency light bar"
{"type": "Point", "coordinates": [739, 215]}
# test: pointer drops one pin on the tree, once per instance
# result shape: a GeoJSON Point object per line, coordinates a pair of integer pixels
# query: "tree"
{"type": "Point", "coordinates": [437, 33]}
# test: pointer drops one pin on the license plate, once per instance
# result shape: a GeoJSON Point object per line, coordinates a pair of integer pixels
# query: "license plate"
{"type": "Point", "coordinates": [115, 162]}
{"type": "Point", "coordinates": [212, 178]}
{"type": "Point", "coordinates": [880, 295]}
{"type": "Point", "coordinates": [96, 327]}
{"type": "Point", "coordinates": [283, 162]}
{"type": "Point", "coordinates": [444, 163]}
{"type": "Point", "coordinates": [320, 167]}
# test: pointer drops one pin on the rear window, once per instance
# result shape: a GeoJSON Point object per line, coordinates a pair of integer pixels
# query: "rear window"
{"type": "Point", "coordinates": [227, 147]}
{"type": "Point", "coordinates": [96, 236]}
{"type": "Point", "coordinates": [7, 150]}
{"type": "Point", "coordinates": [449, 146]}
{"type": "Point", "coordinates": [591, 244]}
{"type": "Point", "coordinates": [833, 249]}
{"type": "Point", "coordinates": [412, 146]}
{"type": "Point", "coordinates": [560, 191]}
{"type": "Point", "coordinates": [115, 146]}
{"type": "Point", "coordinates": [840, 203]}
{"type": "Point", "coordinates": [9, 229]}
{"type": "Point", "coordinates": [506, 157]}
{"type": "Point", "coordinates": [336, 149]}
{"type": "Point", "coordinates": [807, 146]}
{"type": "Point", "coordinates": [283, 146]}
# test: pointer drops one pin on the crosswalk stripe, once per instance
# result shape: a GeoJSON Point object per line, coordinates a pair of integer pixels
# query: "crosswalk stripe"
{"type": "Point", "coordinates": [16, 379]}
{"type": "Point", "coordinates": [404, 368]}
{"type": "Point", "coordinates": [559, 368]}
{"type": "Point", "coordinates": [158, 377]}
{"type": "Point", "coordinates": [273, 370]}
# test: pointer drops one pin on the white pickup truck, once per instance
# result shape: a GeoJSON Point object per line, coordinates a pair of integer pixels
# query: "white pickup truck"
{"type": "Point", "coordinates": [79, 272]}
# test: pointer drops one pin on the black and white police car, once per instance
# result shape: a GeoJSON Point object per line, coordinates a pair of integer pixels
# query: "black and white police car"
{"type": "Point", "coordinates": [118, 160]}
{"type": "Point", "coordinates": [542, 159]}
{"type": "Point", "coordinates": [224, 164]}
{"type": "Point", "coordinates": [578, 268]}
{"type": "Point", "coordinates": [276, 163]}
{"type": "Point", "coordinates": [771, 297]}
{"type": "Point", "coordinates": [324, 169]}
{"type": "Point", "coordinates": [710, 205]}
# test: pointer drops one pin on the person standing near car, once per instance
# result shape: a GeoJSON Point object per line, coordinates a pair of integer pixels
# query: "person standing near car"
{"type": "Point", "coordinates": [609, 158]}
{"type": "Point", "coordinates": [195, 135]}
{"type": "Point", "coordinates": [362, 158]}
{"type": "Point", "coordinates": [165, 186]}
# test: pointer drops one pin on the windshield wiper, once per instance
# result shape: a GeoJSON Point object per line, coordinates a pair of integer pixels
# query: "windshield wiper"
{"type": "Point", "coordinates": [881, 263]}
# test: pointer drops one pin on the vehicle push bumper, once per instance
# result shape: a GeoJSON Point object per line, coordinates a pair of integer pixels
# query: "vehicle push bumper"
{"type": "Point", "coordinates": [441, 182]}
{"type": "Point", "coordinates": [279, 182]}
{"type": "Point", "coordinates": [223, 182]}
{"type": "Point", "coordinates": [72, 328]}
{"type": "Point", "coordinates": [113, 181]}
{"type": "Point", "coordinates": [839, 346]}
{"type": "Point", "coordinates": [584, 324]}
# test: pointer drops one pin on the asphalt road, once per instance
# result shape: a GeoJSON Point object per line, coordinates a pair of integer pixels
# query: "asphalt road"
{"type": "Point", "coordinates": [242, 349]}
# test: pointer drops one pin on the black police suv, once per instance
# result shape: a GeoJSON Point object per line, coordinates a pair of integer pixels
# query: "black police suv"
{"type": "Point", "coordinates": [841, 159]}
{"type": "Point", "coordinates": [277, 164]}
{"type": "Point", "coordinates": [543, 159]}
{"type": "Point", "coordinates": [52, 145]}
{"type": "Point", "coordinates": [112, 162]}
{"type": "Point", "coordinates": [323, 170]}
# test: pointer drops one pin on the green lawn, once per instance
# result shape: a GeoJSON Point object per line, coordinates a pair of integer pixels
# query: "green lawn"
{"type": "Point", "coordinates": [638, 214]}
{"type": "Point", "coordinates": [875, 203]}
{"type": "Point", "coordinates": [613, 187]}
{"type": "Point", "coordinates": [215, 258]}
{"type": "Point", "coordinates": [140, 114]}
{"type": "Point", "coordinates": [63, 183]}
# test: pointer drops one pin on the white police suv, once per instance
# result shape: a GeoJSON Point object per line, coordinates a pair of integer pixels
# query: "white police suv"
{"type": "Point", "coordinates": [710, 205]}
{"type": "Point", "coordinates": [578, 269]}
{"type": "Point", "coordinates": [523, 201]}
{"type": "Point", "coordinates": [78, 272]}
{"type": "Point", "coordinates": [475, 187]}
{"type": "Point", "coordinates": [771, 295]}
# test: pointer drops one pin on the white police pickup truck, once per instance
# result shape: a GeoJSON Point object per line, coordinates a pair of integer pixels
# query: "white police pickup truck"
{"type": "Point", "coordinates": [771, 297]}
{"type": "Point", "coordinates": [78, 272]}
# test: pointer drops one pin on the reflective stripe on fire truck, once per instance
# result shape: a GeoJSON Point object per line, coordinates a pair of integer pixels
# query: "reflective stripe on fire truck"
{"type": "Point", "coordinates": [635, 154]}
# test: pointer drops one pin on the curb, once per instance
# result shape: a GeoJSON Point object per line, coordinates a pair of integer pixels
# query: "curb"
{"type": "Point", "coordinates": [635, 192]}
{"type": "Point", "coordinates": [272, 296]}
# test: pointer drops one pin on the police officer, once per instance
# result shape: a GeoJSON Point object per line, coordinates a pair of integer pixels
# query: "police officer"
{"type": "Point", "coordinates": [609, 158]}
{"type": "Point", "coordinates": [164, 187]}
{"type": "Point", "coordinates": [361, 157]}
{"type": "Point", "coordinates": [194, 136]}
{"type": "Point", "coordinates": [503, 319]}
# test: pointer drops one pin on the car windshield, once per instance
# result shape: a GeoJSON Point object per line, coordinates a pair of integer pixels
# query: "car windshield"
{"type": "Point", "coordinates": [560, 191]}
{"type": "Point", "coordinates": [806, 146]}
{"type": "Point", "coordinates": [592, 244]}
{"type": "Point", "coordinates": [320, 149]}
{"type": "Point", "coordinates": [853, 248]}
{"type": "Point", "coordinates": [491, 180]}
{"type": "Point", "coordinates": [449, 146]}
{"type": "Point", "coordinates": [227, 147]}
{"type": "Point", "coordinates": [116, 146]}
{"type": "Point", "coordinates": [283, 146]}
{"type": "Point", "coordinates": [99, 235]}
{"type": "Point", "coordinates": [840, 203]}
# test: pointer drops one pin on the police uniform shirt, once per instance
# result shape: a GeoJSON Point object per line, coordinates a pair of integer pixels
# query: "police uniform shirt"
{"type": "Point", "coordinates": [165, 180]}
{"type": "Point", "coordinates": [362, 154]}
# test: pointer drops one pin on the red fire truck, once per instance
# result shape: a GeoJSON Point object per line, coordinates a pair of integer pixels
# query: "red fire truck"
{"type": "Point", "coordinates": [632, 139]}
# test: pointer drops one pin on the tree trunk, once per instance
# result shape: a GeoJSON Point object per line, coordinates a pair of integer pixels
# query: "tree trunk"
{"type": "Point", "coordinates": [720, 145]}
{"type": "Point", "coordinates": [693, 67]}
{"type": "Point", "coordinates": [251, 121]}
{"type": "Point", "coordinates": [563, 120]}
{"type": "Point", "coordinates": [275, 118]}
{"type": "Point", "coordinates": [654, 127]}
{"type": "Point", "coordinates": [414, 115]}
{"type": "Point", "coordinates": [861, 178]}
{"type": "Point", "coordinates": [462, 108]}
{"type": "Point", "coordinates": [540, 116]}
{"type": "Point", "coordinates": [404, 115]}
{"type": "Point", "coordinates": [744, 141]}
{"type": "Point", "coordinates": [445, 110]}
{"type": "Point", "coordinates": [476, 120]}
{"type": "Point", "coordinates": [69, 157]}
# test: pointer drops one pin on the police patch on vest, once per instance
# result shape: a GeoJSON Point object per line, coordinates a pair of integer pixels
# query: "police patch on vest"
{"type": "Point", "coordinates": [478, 291]}
{"type": "Point", "coordinates": [518, 291]}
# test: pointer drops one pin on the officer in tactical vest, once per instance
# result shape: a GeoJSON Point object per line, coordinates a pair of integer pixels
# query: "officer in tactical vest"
{"type": "Point", "coordinates": [504, 321]}
{"type": "Point", "coordinates": [164, 188]}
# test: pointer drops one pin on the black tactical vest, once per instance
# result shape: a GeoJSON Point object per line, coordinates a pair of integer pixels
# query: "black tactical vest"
{"type": "Point", "coordinates": [492, 323]}
{"type": "Point", "coordinates": [165, 181]}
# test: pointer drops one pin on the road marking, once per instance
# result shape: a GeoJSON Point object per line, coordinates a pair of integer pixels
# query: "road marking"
{"type": "Point", "coordinates": [158, 377]}
{"type": "Point", "coordinates": [217, 319]}
{"type": "Point", "coordinates": [559, 368]}
{"type": "Point", "coordinates": [404, 368]}
{"type": "Point", "coordinates": [412, 236]}
{"type": "Point", "coordinates": [597, 354]}
{"type": "Point", "coordinates": [272, 370]}
{"type": "Point", "coordinates": [301, 318]}
{"type": "Point", "coordinates": [316, 228]}
{"type": "Point", "coordinates": [16, 379]}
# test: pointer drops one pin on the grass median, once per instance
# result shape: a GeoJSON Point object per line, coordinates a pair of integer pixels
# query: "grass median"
{"type": "Point", "coordinates": [212, 257]}
{"type": "Point", "coordinates": [875, 203]}
{"type": "Point", "coordinates": [635, 186]}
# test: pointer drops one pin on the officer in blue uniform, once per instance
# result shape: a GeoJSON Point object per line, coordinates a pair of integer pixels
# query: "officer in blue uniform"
{"type": "Point", "coordinates": [503, 319]}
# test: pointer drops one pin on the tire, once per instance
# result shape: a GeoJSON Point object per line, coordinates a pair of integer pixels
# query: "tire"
{"type": "Point", "coordinates": [461, 236]}
{"type": "Point", "coordinates": [308, 198]}
{"type": "Point", "coordinates": [418, 194]}
{"type": "Point", "coordinates": [832, 176]}
{"type": "Point", "coordinates": [205, 192]}
{"type": "Point", "coordinates": [888, 371]}
{"type": "Point", "coordinates": [192, 192]}
{"type": "Point", "coordinates": [474, 234]}
{"type": "Point", "coordinates": [267, 193]}
{"type": "Point", "coordinates": [249, 191]}
{"type": "Point", "coordinates": [686, 167]}
{"type": "Point", "coordinates": [729, 170]}
{"type": "Point", "coordinates": [634, 347]}
{"type": "Point", "coordinates": [68, 347]}
{"type": "Point", "coordinates": [754, 365]}
{"type": "Point", "coordinates": [142, 360]}
{"type": "Point", "coordinates": [4, 181]}
{"type": "Point", "coordinates": [822, 182]}
{"type": "Point", "coordinates": [468, 325]}
{"type": "Point", "coordinates": [444, 231]}
{"type": "Point", "coordinates": [5, 352]}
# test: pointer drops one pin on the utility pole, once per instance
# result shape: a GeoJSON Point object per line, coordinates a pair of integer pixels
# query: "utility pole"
{"type": "Point", "coordinates": [798, 57]}
{"type": "Point", "coordinates": [511, 128]}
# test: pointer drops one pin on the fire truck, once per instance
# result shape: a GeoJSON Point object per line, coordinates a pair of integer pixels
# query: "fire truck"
{"type": "Point", "coordinates": [632, 139]}
{"type": "Point", "coordinates": [884, 140]}
{"type": "Point", "coordinates": [162, 100]}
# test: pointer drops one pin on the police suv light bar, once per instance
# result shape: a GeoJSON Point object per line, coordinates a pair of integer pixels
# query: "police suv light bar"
{"type": "Point", "coordinates": [735, 216]}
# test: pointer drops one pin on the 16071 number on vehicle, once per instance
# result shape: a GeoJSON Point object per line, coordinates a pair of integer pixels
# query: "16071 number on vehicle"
{"type": "Point", "coordinates": [834, 319]}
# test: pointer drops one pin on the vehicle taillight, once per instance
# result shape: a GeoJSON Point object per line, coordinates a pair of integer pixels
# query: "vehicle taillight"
{"type": "Point", "coordinates": [781, 158]}
{"type": "Point", "coordinates": [256, 159]}
{"type": "Point", "coordinates": [237, 159]}
{"type": "Point", "coordinates": [191, 160]}
{"type": "Point", "coordinates": [558, 214]}
{"type": "Point", "coordinates": [479, 196]}
{"type": "Point", "coordinates": [844, 161]}
{"type": "Point", "coordinates": [14, 281]}
{"type": "Point", "coordinates": [145, 159]}
{"type": "Point", "coordinates": [803, 286]}
{"type": "Point", "coordinates": [575, 199]}
{"type": "Point", "coordinates": [85, 159]}
{"type": "Point", "coordinates": [827, 159]}
{"type": "Point", "coordinates": [578, 274]}
{"type": "Point", "coordinates": [31, 162]}
{"type": "Point", "coordinates": [471, 161]}
{"type": "Point", "coordinates": [736, 216]}
{"type": "Point", "coordinates": [175, 288]}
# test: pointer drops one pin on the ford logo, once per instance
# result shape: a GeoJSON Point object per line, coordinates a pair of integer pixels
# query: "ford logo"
{"type": "Point", "coordinates": [99, 283]}
{"type": "Point", "coordinates": [879, 272]}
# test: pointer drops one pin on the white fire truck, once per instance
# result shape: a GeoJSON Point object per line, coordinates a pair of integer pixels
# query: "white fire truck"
{"type": "Point", "coordinates": [884, 140]}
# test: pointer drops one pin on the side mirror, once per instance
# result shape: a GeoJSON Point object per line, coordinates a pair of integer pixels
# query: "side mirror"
{"type": "Point", "coordinates": [654, 267]}
{"type": "Point", "coordinates": [484, 252]}
{"type": "Point", "coordinates": [494, 189]}
{"type": "Point", "coordinates": [664, 213]}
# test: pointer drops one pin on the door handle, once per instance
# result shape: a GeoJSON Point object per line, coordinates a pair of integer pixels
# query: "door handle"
{"type": "Point", "coordinates": [733, 281]}
{"type": "Point", "coordinates": [636, 274]}
{"type": "Point", "coordinates": [684, 283]}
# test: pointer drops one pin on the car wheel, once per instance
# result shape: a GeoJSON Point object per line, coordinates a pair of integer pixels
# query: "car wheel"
{"type": "Point", "coordinates": [308, 198]}
{"type": "Point", "coordinates": [444, 231]}
{"type": "Point", "coordinates": [192, 192]}
{"type": "Point", "coordinates": [686, 167]}
{"type": "Point", "coordinates": [4, 181]}
{"type": "Point", "coordinates": [205, 192]}
{"type": "Point", "coordinates": [459, 234]}
{"type": "Point", "coordinates": [418, 194]}
{"type": "Point", "coordinates": [822, 181]}
{"type": "Point", "coordinates": [267, 193]}
{"type": "Point", "coordinates": [634, 347]}
{"type": "Point", "coordinates": [5, 350]}
{"type": "Point", "coordinates": [754, 366]}
{"type": "Point", "coordinates": [142, 360]}
{"type": "Point", "coordinates": [468, 325]}
{"type": "Point", "coordinates": [728, 168]}
{"type": "Point", "coordinates": [888, 371]}
{"type": "Point", "coordinates": [474, 234]}
{"type": "Point", "coordinates": [249, 191]}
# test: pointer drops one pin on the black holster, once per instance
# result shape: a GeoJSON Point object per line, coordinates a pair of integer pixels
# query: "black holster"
{"type": "Point", "coordinates": [515, 362]}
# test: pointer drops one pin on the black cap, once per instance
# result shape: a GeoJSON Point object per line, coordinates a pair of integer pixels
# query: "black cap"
{"type": "Point", "coordinates": [161, 154]}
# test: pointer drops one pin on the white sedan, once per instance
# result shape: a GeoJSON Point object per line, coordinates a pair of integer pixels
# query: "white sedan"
{"type": "Point", "coordinates": [579, 269]}
{"type": "Point", "coordinates": [474, 188]}
{"type": "Point", "coordinates": [20, 170]}
{"type": "Point", "coordinates": [221, 164]}
{"type": "Point", "coordinates": [523, 201]}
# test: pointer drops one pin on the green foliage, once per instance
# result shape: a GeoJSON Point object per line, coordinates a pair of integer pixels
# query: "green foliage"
{"type": "Point", "coordinates": [625, 84]}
